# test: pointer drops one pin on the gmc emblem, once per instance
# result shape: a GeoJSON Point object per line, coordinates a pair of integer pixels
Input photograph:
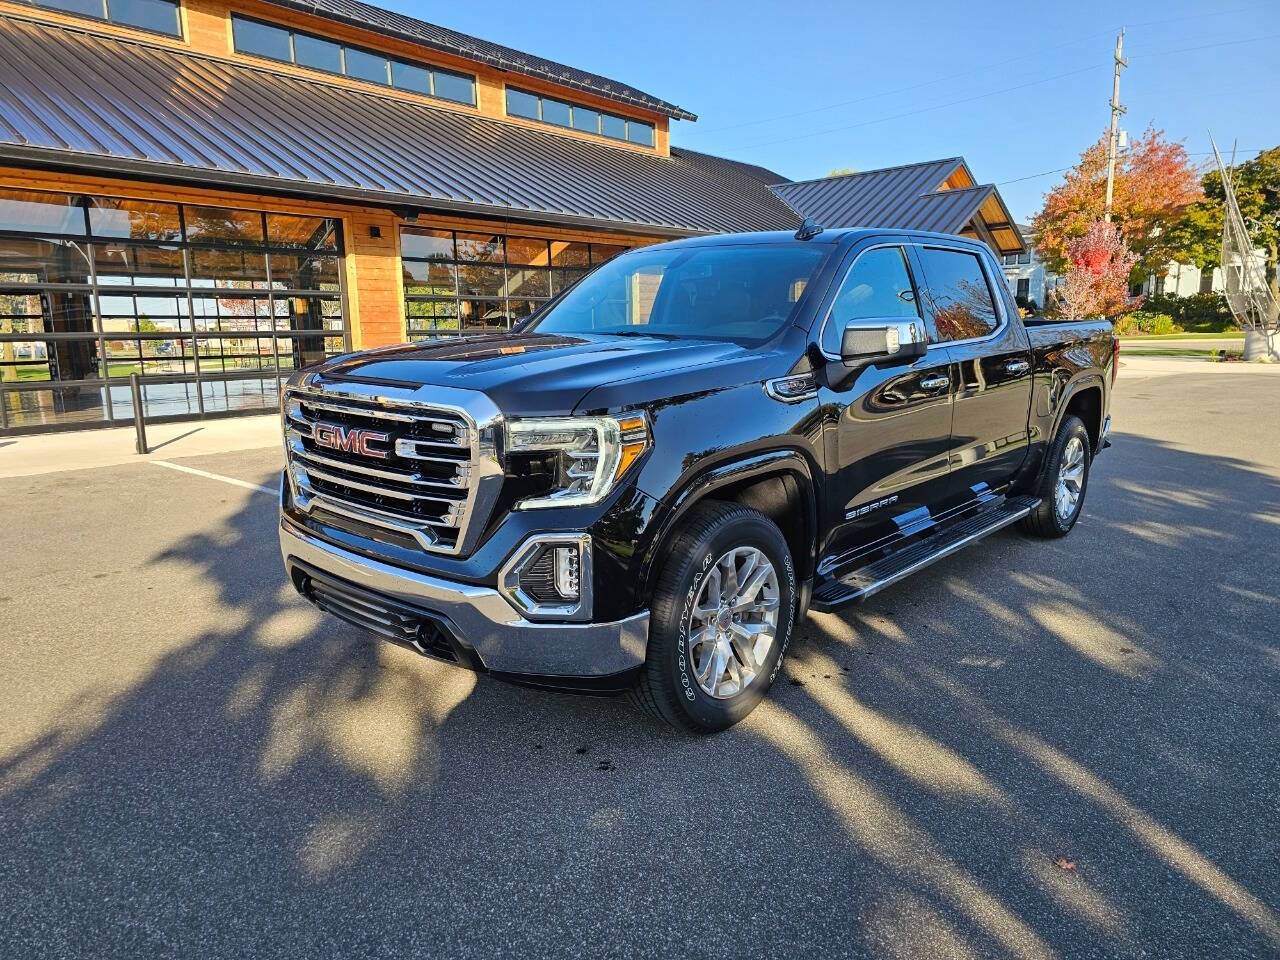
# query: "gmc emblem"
{"type": "Point", "coordinates": [350, 439]}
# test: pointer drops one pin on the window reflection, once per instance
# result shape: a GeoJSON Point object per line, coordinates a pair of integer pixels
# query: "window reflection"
{"type": "Point", "coordinates": [93, 289]}
{"type": "Point", "coordinates": [479, 283]}
{"type": "Point", "coordinates": [957, 294]}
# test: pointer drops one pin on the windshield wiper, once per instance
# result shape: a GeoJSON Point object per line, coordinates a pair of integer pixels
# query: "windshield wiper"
{"type": "Point", "coordinates": [638, 333]}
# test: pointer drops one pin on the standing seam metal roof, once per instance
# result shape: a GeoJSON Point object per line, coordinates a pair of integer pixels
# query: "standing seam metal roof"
{"type": "Point", "coordinates": [908, 197]}
{"type": "Point", "coordinates": [77, 99]}
{"type": "Point", "coordinates": [875, 198]}
{"type": "Point", "coordinates": [357, 14]}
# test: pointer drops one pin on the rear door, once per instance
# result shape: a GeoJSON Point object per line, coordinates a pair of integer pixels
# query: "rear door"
{"type": "Point", "coordinates": [990, 368]}
{"type": "Point", "coordinates": [888, 424]}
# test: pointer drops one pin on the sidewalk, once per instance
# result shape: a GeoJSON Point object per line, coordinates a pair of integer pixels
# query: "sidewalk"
{"type": "Point", "coordinates": [81, 449]}
{"type": "Point", "coordinates": [1138, 364]}
{"type": "Point", "coordinates": [56, 452]}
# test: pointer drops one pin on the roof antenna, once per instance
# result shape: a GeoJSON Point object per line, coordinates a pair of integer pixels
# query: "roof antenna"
{"type": "Point", "coordinates": [809, 229]}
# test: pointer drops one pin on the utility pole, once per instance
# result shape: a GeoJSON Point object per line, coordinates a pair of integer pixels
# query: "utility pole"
{"type": "Point", "coordinates": [1116, 110]}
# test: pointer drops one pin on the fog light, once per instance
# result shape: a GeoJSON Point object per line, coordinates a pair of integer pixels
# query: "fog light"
{"type": "Point", "coordinates": [567, 566]}
{"type": "Point", "coordinates": [549, 577]}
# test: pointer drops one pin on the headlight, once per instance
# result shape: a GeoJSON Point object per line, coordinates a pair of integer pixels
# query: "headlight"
{"type": "Point", "coordinates": [588, 455]}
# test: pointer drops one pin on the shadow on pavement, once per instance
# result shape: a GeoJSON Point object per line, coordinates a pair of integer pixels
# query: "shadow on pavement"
{"type": "Point", "coordinates": [1032, 750]}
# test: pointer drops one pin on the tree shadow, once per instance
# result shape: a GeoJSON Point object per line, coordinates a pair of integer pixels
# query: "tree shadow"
{"type": "Point", "coordinates": [275, 782]}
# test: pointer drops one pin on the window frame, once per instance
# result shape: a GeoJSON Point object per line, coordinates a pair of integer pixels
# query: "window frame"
{"type": "Point", "coordinates": [344, 49]}
{"type": "Point", "coordinates": [556, 274]}
{"type": "Point", "coordinates": [541, 98]}
{"type": "Point", "coordinates": [194, 343]}
{"type": "Point", "coordinates": [997, 301]}
{"type": "Point", "coordinates": [908, 260]}
{"type": "Point", "coordinates": [180, 33]}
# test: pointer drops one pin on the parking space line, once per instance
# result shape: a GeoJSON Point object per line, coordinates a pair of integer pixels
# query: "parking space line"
{"type": "Point", "coordinates": [215, 476]}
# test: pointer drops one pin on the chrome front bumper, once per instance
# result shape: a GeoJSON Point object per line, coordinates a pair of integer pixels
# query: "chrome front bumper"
{"type": "Point", "coordinates": [481, 618]}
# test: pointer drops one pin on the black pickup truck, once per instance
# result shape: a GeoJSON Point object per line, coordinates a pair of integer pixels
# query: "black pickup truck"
{"type": "Point", "coordinates": [644, 486]}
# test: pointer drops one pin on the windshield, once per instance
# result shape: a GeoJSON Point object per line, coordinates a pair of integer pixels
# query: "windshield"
{"type": "Point", "coordinates": [739, 293]}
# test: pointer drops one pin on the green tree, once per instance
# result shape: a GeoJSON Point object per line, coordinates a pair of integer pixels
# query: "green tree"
{"type": "Point", "coordinates": [1197, 235]}
{"type": "Point", "coordinates": [842, 172]}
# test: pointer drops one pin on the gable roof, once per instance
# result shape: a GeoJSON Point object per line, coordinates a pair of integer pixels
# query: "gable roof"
{"type": "Point", "coordinates": [366, 16]}
{"type": "Point", "coordinates": [78, 100]}
{"type": "Point", "coordinates": [938, 195]}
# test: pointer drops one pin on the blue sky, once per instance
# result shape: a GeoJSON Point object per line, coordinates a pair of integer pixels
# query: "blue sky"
{"type": "Point", "coordinates": [1018, 89]}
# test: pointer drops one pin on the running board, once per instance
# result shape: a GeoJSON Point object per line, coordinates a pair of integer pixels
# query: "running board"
{"type": "Point", "coordinates": [874, 577]}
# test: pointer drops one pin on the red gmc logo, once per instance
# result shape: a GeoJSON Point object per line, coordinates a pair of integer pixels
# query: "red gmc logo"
{"type": "Point", "coordinates": [350, 439]}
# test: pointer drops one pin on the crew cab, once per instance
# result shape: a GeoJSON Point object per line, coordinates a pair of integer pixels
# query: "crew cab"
{"type": "Point", "coordinates": [644, 486]}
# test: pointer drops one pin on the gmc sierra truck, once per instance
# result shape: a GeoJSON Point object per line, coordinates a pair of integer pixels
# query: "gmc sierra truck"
{"type": "Point", "coordinates": [645, 485]}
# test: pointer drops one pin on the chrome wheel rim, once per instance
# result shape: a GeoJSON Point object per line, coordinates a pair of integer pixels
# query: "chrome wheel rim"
{"type": "Point", "coordinates": [734, 622]}
{"type": "Point", "coordinates": [1070, 479]}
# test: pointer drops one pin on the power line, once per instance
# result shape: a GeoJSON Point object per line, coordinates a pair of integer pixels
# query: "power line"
{"type": "Point", "coordinates": [1048, 173]}
{"type": "Point", "coordinates": [969, 73]}
{"type": "Point", "coordinates": [890, 93]}
{"type": "Point", "coordinates": [994, 93]}
{"type": "Point", "coordinates": [936, 106]}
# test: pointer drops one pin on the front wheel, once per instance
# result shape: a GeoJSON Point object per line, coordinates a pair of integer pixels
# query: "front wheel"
{"type": "Point", "coordinates": [1063, 482]}
{"type": "Point", "coordinates": [721, 618]}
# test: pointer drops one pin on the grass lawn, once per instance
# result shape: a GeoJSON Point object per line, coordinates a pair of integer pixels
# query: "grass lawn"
{"type": "Point", "coordinates": [1175, 352]}
{"type": "Point", "coordinates": [1225, 335]}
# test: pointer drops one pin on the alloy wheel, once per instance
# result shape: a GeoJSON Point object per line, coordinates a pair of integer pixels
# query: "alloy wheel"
{"type": "Point", "coordinates": [1070, 479]}
{"type": "Point", "coordinates": [734, 622]}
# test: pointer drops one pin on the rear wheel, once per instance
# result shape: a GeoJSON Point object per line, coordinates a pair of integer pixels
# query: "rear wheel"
{"type": "Point", "coordinates": [721, 618]}
{"type": "Point", "coordinates": [1063, 483]}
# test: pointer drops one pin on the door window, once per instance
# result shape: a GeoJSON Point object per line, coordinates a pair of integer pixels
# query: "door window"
{"type": "Point", "coordinates": [957, 294]}
{"type": "Point", "coordinates": [877, 286]}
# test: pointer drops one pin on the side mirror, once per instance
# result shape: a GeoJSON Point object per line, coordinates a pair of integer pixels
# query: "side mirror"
{"type": "Point", "coordinates": [889, 339]}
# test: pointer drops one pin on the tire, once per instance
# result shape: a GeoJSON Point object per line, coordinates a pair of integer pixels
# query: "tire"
{"type": "Point", "coordinates": [683, 645]}
{"type": "Point", "coordinates": [1057, 514]}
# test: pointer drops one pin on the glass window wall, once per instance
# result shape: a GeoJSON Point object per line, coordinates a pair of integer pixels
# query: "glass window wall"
{"type": "Point", "coordinates": [217, 306]}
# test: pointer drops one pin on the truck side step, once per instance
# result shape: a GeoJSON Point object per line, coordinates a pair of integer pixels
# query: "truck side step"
{"type": "Point", "coordinates": [863, 582]}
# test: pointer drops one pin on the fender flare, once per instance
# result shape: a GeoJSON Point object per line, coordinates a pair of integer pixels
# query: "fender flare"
{"type": "Point", "coordinates": [1082, 381]}
{"type": "Point", "coordinates": [754, 466]}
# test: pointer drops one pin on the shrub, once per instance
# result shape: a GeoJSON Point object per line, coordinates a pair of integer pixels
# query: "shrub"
{"type": "Point", "coordinates": [1200, 312]}
{"type": "Point", "coordinates": [1145, 322]}
{"type": "Point", "coordinates": [1206, 312]}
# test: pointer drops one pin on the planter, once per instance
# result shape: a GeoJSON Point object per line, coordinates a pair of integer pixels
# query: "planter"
{"type": "Point", "coordinates": [1261, 346]}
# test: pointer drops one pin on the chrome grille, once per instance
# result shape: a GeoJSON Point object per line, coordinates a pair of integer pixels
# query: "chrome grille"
{"type": "Point", "coordinates": [399, 465]}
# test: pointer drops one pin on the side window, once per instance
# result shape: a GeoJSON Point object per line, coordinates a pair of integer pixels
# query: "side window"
{"type": "Point", "coordinates": [957, 294]}
{"type": "Point", "coordinates": [878, 285]}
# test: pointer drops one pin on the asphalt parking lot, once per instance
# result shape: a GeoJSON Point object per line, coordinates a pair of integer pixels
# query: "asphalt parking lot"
{"type": "Point", "coordinates": [1031, 750]}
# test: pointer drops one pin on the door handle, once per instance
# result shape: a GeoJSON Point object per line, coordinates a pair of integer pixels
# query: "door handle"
{"type": "Point", "coordinates": [1017, 367]}
{"type": "Point", "coordinates": [935, 383]}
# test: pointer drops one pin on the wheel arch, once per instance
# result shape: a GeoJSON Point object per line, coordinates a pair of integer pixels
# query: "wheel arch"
{"type": "Point", "coordinates": [778, 483]}
{"type": "Point", "coordinates": [1084, 398]}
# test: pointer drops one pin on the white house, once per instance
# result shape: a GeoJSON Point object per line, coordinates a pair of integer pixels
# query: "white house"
{"type": "Point", "coordinates": [1027, 276]}
{"type": "Point", "coordinates": [1031, 281]}
{"type": "Point", "coordinates": [1186, 279]}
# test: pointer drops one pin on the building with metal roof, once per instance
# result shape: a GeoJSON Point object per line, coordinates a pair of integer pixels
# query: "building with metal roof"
{"type": "Point", "coordinates": [213, 193]}
{"type": "Point", "coordinates": [938, 195]}
{"type": "Point", "coordinates": [107, 105]}
{"type": "Point", "coordinates": [473, 48]}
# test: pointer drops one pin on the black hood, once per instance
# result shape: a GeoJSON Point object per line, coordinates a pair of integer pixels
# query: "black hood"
{"type": "Point", "coordinates": [535, 374]}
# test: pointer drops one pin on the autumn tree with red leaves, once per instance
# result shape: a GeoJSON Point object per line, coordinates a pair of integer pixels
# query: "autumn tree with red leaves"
{"type": "Point", "coordinates": [1097, 277]}
{"type": "Point", "coordinates": [1155, 184]}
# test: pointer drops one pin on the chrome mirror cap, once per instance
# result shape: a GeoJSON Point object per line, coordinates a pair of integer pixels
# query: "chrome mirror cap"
{"type": "Point", "coordinates": [882, 339]}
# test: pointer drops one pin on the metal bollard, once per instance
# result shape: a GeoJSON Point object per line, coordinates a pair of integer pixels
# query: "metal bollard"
{"type": "Point", "coordinates": [139, 422]}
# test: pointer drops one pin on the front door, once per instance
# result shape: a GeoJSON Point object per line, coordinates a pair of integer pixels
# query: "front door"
{"type": "Point", "coordinates": [990, 370]}
{"type": "Point", "coordinates": [888, 424]}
